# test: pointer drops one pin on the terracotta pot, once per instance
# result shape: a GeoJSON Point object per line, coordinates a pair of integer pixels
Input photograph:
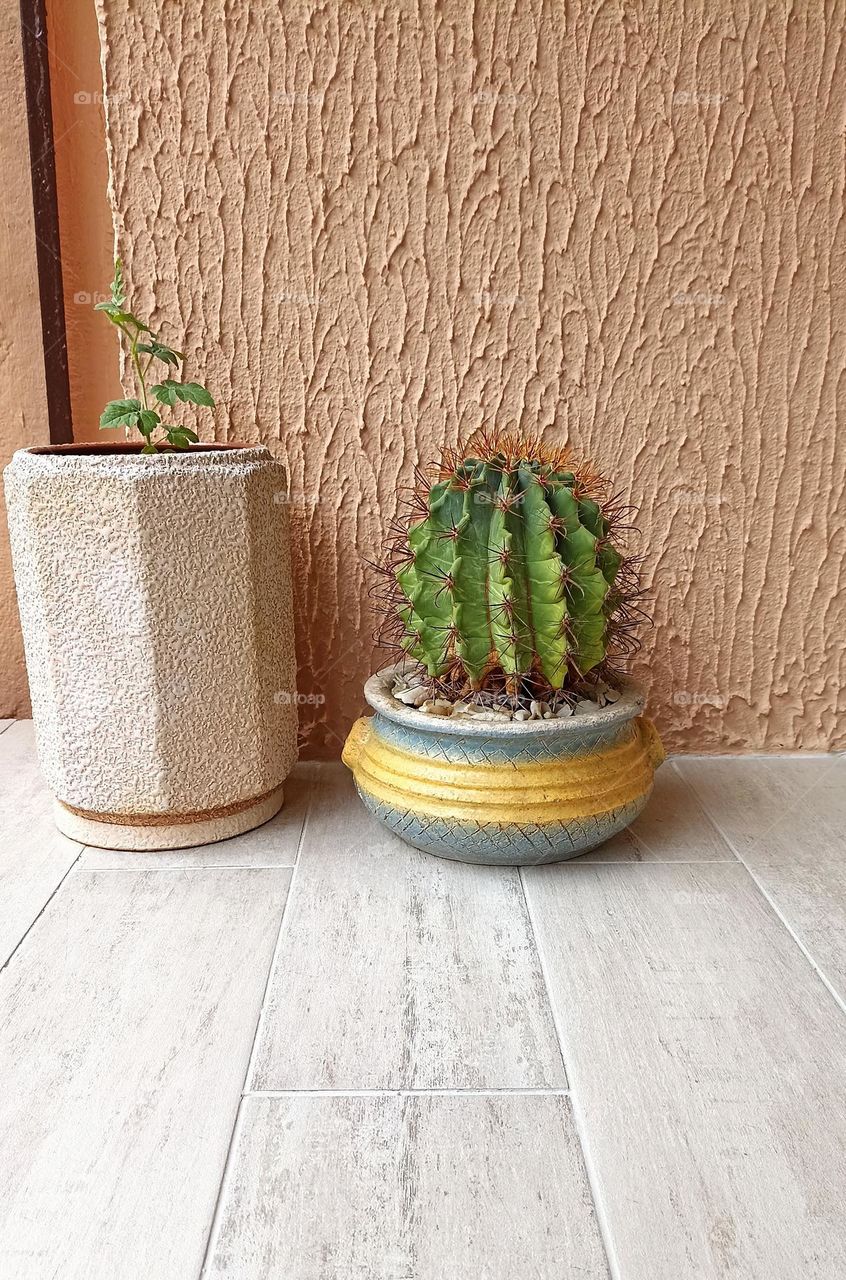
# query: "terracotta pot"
{"type": "Point", "coordinates": [155, 600]}
{"type": "Point", "coordinates": [514, 794]}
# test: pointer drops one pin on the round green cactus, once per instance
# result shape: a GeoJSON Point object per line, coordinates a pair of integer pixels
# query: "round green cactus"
{"type": "Point", "coordinates": [510, 570]}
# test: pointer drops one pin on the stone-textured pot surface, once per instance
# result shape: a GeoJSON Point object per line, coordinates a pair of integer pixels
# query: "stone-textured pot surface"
{"type": "Point", "coordinates": [155, 599]}
{"type": "Point", "coordinates": [515, 794]}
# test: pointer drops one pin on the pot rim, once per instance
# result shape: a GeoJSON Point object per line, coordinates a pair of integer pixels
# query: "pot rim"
{"type": "Point", "coordinates": [379, 697]}
{"type": "Point", "coordinates": [126, 462]}
{"type": "Point", "coordinates": [128, 448]}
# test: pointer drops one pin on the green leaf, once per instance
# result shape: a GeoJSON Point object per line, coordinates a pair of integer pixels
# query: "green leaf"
{"type": "Point", "coordinates": [117, 285]}
{"type": "Point", "coordinates": [195, 394]}
{"type": "Point", "coordinates": [112, 310]}
{"type": "Point", "coordinates": [149, 448]}
{"type": "Point", "coordinates": [121, 413]}
{"type": "Point", "coordinates": [169, 391]}
{"type": "Point", "coordinates": [181, 437]}
{"type": "Point", "coordinates": [148, 420]}
{"type": "Point", "coordinates": [118, 316]}
{"type": "Point", "coordinates": [129, 318]}
{"type": "Point", "coordinates": [164, 391]}
{"type": "Point", "coordinates": [160, 352]}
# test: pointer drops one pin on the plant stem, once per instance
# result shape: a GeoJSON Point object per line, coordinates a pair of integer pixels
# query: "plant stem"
{"type": "Point", "coordinates": [133, 351]}
{"type": "Point", "coordinates": [140, 373]}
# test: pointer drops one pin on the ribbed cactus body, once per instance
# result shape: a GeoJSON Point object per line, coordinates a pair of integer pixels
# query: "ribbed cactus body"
{"type": "Point", "coordinates": [511, 570]}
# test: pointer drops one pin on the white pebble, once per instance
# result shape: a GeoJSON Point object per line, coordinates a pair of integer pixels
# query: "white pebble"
{"type": "Point", "coordinates": [412, 697]}
{"type": "Point", "coordinates": [564, 711]}
{"type": "Point", "coordinates": [522, 714]}
{"type": "Point", "coordinates": [585, 707]}
{"type": "Point", "coordinates": [436, 708]}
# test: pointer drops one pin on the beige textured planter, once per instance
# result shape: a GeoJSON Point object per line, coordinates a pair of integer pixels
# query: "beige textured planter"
{"type": "Point", "coordinates": [155, 599]}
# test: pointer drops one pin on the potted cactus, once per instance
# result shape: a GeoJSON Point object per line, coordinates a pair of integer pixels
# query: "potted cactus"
{"type": "Point", "coordinates": [154, 588]}
{"type": "Point", "coordinates": [507, 732]}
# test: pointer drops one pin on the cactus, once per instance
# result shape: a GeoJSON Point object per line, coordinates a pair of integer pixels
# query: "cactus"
{"type": "Point", "coordinates": [510, 571]}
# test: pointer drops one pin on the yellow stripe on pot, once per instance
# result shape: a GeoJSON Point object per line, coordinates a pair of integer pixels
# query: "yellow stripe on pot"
{"type": "Point", "coordinates": [558, 790]}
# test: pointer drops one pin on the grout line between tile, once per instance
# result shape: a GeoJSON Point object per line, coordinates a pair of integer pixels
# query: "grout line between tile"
{"type": "Point", "coordinates": [574, 863]}
{"type": "Point", "coordinates": [223, 1189]}
{"type": "Point", "coordinates": [407, 1093]}
{"type": "Point", "coordinates": [602, 1222]}
{"type": "Point", "coordinates": [209, 866]}
{"type": "Point", "coordinates": [277, 946]}
{"type": "Point", "coordinates": [771, 903]}
{"type": "Point", "coordinates": [754, 755]}
{"type": "Point", "coordinates": [582, 863]}
{"type": "Point", "coordinates": [233, 1139]}
{"type": "Point", "coordinates": [544, 976]}
{"type": "Point", "coordinates": [44, 907]}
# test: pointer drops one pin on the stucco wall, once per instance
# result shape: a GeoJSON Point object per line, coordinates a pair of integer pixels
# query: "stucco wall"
{"type": "Point", "coordinates": [23, 401]}
{"type": "Point", "coordinates": [384, 224]}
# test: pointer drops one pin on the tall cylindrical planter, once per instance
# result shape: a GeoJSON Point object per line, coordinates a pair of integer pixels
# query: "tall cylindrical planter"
{"type": "Point", "coordinates": [155, 601]}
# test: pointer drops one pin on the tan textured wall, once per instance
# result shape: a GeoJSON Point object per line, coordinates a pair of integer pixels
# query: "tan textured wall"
{"type": "Point", "coordinates": [386, 224]}
{"type": "Point", "coordinates": [23, 400]}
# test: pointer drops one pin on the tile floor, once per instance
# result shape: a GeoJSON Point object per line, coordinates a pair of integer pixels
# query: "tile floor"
{"type": "Point", "coordinates": [312, 1053]}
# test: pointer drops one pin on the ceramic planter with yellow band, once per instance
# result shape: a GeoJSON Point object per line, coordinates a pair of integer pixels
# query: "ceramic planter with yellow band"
{"type": "Point", "coordinates": [516, 794]}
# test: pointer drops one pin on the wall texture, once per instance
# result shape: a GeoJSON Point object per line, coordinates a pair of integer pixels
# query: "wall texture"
{"type": "Point", "coordinates": [23, 399]}
{"type": "Point", "coordinates": [381, 225]}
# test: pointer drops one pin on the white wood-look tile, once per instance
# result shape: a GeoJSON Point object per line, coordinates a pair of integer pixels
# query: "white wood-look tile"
{"type": "Point", "coordinates": [706, 1060]}
{"type": "Point", "coordinates": [34, 856]}
{"type": "Point", "coordinates": [4, 725]}
{"type": "Point", "coordinates": [399, 970]}
{"type": "Point", "coordinates": [672, 828]}
{"type": "Point", "coordinates": [786, 818]}
{"type": "Point", "coordinates": [407, 1188]}
{"type": "Point", "coordinates": [128, 1014]}
{"type": "Point", "coordinates": [775, 809]}
{"type": "Point", "coordinates": [273, 845]}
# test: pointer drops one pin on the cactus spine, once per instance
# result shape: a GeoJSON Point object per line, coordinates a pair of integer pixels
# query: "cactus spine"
{"type": "Point", "coordinates": [511, 571]}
